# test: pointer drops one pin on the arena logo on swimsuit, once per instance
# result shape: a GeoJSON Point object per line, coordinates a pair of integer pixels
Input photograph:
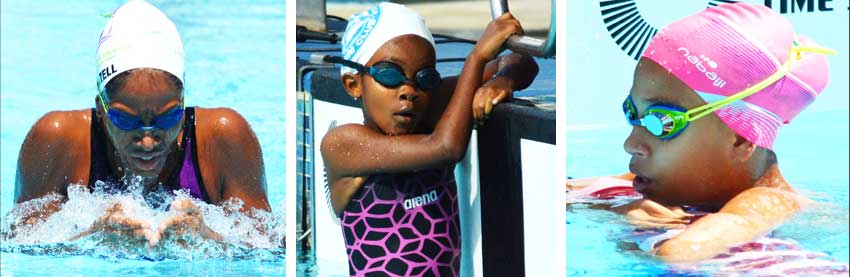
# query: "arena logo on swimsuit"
{"type": "Point", "coordinates": [697, 62]}
{"type": "Point", "coordinates": [421, 200]}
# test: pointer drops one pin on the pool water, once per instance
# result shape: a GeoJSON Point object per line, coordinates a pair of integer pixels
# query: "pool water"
{"type": "Point", "coordinates": [234, 58]}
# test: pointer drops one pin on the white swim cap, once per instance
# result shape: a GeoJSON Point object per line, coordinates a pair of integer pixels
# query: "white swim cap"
{"type": "Point", "coordinates": [369, 30]}
{"type": "Point", "coordinates": [138, 35]}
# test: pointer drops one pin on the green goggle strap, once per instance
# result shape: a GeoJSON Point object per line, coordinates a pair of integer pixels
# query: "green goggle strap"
{"type": "Point", "coordinates": [794, 54]}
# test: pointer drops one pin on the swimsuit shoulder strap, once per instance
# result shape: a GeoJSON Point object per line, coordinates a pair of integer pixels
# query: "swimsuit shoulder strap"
{"type": "Point", "coordinates": [190, 177]}
{"type": "Point", "coordinates": [99, 169]}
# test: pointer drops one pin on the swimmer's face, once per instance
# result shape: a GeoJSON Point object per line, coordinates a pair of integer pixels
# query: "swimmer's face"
{"type": "Point", "coordinates": [144, 94]}
{"type": "Point", "coordinates": [695, 168]}
{"type": "Point", "coordinates": [398, 110]}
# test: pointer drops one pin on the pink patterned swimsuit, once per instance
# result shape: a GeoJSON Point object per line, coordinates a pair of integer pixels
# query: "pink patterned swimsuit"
{"type": "Point", "coordinates": [404, 224]}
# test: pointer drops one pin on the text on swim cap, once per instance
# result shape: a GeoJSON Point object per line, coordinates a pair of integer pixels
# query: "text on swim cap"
{"type": "Point", "coordinates": [697, 61]}
{"type": "Point", "coordinates": [109, 70]}
{"type": "Point", "coordinates": [423, 199]}
{"type": "Point", "coordinates": [361, 27]}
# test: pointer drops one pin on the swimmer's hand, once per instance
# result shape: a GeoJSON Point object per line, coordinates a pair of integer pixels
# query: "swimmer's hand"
{"type": "Point", "coordinates": [498, 30]}
{"type": "Point", "coordinates": [116, 221]}
{"type": "Point", "coordinates": [645, 213]}
{"type": "Point", "coordinates": [188, 218]}
{"type": "Point", "coordinates": [494, 91]}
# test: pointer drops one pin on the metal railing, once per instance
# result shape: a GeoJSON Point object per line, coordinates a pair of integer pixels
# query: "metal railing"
{"type": "Point", "coordinates": [526, 44]}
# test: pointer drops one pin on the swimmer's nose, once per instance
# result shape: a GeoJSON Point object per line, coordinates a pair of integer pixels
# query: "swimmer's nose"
{"type": "Point", "coordinates": [407, 93]}
{"type": "Point", "coordinates": [148, 141]}
{"type": "Point", "coordinates": [634, 144]}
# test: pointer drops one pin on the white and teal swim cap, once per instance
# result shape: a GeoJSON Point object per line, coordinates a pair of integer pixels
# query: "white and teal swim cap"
{"type": "Point", "coordinates": [369, 30]}
{"type": "Point", "coordinates": [138, 35]}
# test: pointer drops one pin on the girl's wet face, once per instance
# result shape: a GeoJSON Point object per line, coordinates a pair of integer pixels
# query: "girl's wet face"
{"type": "Point", "coordinates": [693, 168]}
{"type": "Point", "coordinates": [398, 110]}
{"type": "Point", "coordinates": [145, 94]}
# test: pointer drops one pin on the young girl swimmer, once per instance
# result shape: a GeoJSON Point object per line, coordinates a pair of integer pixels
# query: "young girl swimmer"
{"type": "Point", "coordinates": [391, 178]}
{"type": "Point", "coordinates": [708, 97]}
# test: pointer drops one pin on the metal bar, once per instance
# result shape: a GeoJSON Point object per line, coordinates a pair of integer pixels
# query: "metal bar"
{"type": "Point", "coordinates": [526, 44]}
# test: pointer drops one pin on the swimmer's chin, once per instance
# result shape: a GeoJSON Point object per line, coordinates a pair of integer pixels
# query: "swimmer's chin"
{"type": "Point", "coordinates": [663, 200]}
{"type": "Point", "coordinates": [145, 174]}
{"type": "Point", "coordinates": [400, 130]}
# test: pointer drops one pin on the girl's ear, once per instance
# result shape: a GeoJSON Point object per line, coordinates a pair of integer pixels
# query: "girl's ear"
{"type": "Point", "coordinates": [352, 84]}
{"type": "Point", "coordinates": [742, 149]}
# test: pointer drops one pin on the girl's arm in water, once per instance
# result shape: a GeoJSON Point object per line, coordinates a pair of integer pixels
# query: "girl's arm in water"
{"type": "Point", "coordinates": [356, 150]}
{"type": "Point", "coordinates": [748, 216]}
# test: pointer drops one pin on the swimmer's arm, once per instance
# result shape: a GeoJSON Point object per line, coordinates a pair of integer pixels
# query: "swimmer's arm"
{"type": "Point", "coordinates": [50, 158]}
{"type": "Point", "coordinates": [518, 69]}
{"type": "Point", "coordinates": [745, 218]}
{"type": "Point", "coordinates": [506, 74]}
{"type": "Point", "coordinates": [236, 154]}
{"type": "Point", "coordinates": [580, 183]}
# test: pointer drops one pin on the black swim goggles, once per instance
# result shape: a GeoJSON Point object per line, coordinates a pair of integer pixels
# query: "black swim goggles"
{"type": "Point", "coordinates": [391, 75]}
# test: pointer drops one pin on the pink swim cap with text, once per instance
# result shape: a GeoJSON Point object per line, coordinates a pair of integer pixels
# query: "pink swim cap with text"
{"type": "Point", "coordinates": [726, 49]}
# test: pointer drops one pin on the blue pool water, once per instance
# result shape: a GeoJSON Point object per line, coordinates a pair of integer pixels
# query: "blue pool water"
{"type": "Point", "coordinates": [234, 58]}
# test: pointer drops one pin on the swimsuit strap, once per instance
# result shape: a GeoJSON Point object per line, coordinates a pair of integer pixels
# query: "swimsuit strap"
{"type": "Point", "coordinates": [100, 169]}
{"type": "Point", "coordinates": [190, 177]}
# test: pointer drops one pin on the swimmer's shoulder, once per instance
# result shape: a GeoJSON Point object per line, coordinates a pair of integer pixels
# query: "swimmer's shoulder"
{"type": "Point", "coordinates": [342, 188]}
{"type": "Point", "coordinates": [222, 130]}
{"type": "Point", "coordinates": [228, 151]}
{"type": "Point", "coordinates": [343, 136]}
{"type": "Point", "coordinates": [60, 131]}
{"type": "Point", "coordinates": [221, 124]}
{"type": "Point", "coordinates": [337, 140]}
{"type": "Point", "coordinates": [61, 142]}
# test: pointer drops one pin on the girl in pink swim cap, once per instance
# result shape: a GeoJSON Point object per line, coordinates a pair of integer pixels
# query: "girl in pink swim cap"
{"type": "Point", "coordinates": [708, 97]}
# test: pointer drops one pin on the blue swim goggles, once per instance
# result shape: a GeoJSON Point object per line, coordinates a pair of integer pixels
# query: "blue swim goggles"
{"type": "Point", "coordinates": [392, 75]}
{"type": "Point", "coordinates": [128, 122]}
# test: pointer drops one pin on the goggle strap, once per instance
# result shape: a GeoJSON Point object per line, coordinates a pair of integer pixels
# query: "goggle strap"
{"type": "Point", "coordinates": [103, 102]}
{"type": "Point", "coordinates": [793, 54]}
{"type": "Point", "coordinates": [340, 60]}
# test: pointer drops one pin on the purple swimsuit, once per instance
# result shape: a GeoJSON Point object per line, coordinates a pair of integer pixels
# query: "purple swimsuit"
{"type": "Point", "coordinates": [188, 177]}
{"type": "Point", "coordinates": [404, 224]}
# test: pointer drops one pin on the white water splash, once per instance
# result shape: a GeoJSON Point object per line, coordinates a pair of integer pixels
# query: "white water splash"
{"type": "Point", "coordinates": [254, 234]}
